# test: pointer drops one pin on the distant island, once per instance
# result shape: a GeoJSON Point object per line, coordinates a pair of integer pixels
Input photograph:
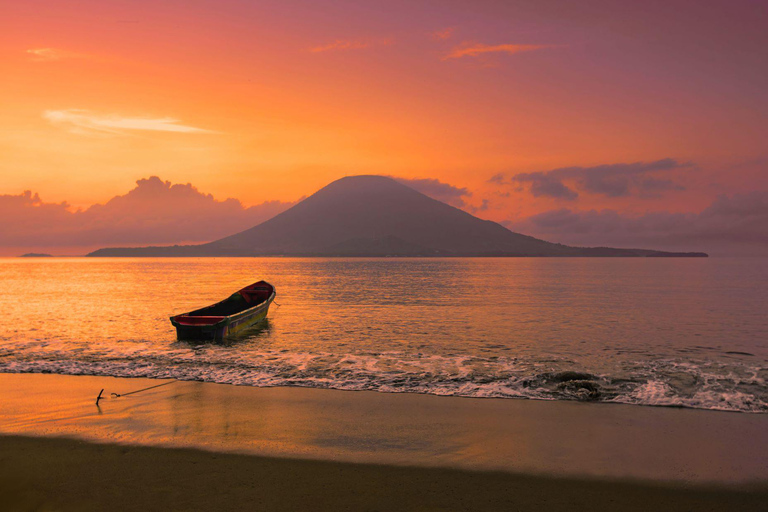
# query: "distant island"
{"type": "Point", "coordinates": [376, 216]}
{"type": "Point", "coordinates": [36, 255]}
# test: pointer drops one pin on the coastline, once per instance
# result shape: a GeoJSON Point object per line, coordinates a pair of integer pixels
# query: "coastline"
{"type": "Point", "coordinates": [547, 438]}
{"type": "Point", "coordinates": [202, 446]}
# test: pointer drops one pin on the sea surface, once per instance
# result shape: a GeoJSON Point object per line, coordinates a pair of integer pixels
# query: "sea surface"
{"type": "Point", "coordinates": [646, 331]}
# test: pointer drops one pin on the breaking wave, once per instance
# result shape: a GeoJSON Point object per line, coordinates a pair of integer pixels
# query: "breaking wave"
{"type": "Point", "coordinates": [725, 386]}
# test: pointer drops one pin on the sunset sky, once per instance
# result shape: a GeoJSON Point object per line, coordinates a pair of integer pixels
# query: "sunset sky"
{"type": "Point", "coordinates": [547, 116]}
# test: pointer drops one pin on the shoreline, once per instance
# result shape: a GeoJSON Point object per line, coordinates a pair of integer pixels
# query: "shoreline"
{"type": "Point", "coordinates": [184, 445]}
{"type": "Point", "coordinates": [387, 392]}
{"type": "Point", "coordinates": [548, 386]}
{"type": "Point", "coordinates": [533, 437]}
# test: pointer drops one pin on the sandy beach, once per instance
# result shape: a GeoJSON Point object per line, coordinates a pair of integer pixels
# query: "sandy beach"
{"type": "Point", "coordinates": [63, 474]}
{"type": "Point", "coordinates": [190, 445]}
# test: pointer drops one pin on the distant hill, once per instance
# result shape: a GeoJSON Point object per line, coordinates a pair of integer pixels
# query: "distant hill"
{"type": "Point", "coordinates": [36, 255]}
{"type": "Point", "coordinates": [377, 216]}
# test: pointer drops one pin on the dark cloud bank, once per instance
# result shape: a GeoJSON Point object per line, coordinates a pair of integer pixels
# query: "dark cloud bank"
{"type": "Point", "coordinates": [611, 180]}
{"type": "Point", "coordinates": [735, 224]}
{"type": "Point", "coordinates": [155, 212]}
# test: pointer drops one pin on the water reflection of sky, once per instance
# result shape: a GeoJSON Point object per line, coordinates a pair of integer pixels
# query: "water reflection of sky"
{"type": "Point", "coordinates": [420, 320]}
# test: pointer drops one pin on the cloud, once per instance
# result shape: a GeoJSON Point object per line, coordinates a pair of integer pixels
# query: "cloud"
{"type": "Point", "coordinates": [51, 54]}
{"type": "Point", "coordinates": [611, 180]}
{"type": "Point", "coordinates": [85, 122]}
{"type": "Point", "coordinates": [443, 34]}
{"type": "Point", "coordinates": [154, 212]}
{"type": "Point", "coordinates": [468, 49]}
{"type": "Point", "coordinates": [499, 179]}
{"type": "Point", "coordinates": [485, 204]}
{"type": "Point", "coordinates": [436, 189]}
{"type": "Point", "coordinates": [731, 224]}
{"type": "Point", "coordinates": [543, 184]}
{"type": "Point", "coordinates": [653, 187]}
{"type": "Point", "coordinates": [346, 44]}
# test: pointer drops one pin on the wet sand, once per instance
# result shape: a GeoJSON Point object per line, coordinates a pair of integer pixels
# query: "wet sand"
{"type": "Point", "coordinates": [62, 474]}
{"type": "Point", "coordinates": [189, 445]}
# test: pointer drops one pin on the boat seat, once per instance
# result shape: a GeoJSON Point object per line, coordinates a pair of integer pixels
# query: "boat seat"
{"type": "Point", "coordinates": [255, 295]}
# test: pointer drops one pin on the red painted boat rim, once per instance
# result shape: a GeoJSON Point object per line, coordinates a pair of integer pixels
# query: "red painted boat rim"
{"type": "Point", "coordinates": [198, 320]}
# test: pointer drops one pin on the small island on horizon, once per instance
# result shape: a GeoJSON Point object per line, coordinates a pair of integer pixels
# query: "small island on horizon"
{"type": "Point", "coordinates": [377, 216]}
{"type": "Point", "coordinates": [36, 255]}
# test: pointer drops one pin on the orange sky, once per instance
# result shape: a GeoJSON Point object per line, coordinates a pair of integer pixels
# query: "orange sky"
{"type": "Point", "coordinates": [272, 100]}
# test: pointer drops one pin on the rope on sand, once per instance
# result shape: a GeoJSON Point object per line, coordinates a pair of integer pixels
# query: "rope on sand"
{"type": "Point", "coordinates": [116, 395]}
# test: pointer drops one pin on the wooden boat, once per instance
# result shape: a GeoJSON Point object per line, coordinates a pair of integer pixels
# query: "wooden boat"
{"type": "Point", "coordinates": [230, 316]}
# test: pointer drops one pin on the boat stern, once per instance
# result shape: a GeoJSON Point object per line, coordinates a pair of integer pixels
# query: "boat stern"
{"type": "Point", "coordinates": [200, 328]}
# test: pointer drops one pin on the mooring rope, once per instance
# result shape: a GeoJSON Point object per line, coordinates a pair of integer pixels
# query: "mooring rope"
{"type": "Point", "coordinates": [115, 395]}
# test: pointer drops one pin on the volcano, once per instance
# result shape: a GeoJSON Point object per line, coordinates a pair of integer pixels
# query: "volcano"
{"type": "Point", "coordinates": [361, 216]}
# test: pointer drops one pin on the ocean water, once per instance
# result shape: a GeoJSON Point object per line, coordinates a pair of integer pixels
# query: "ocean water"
{"type": "Point", "coordinates": [646, 331]}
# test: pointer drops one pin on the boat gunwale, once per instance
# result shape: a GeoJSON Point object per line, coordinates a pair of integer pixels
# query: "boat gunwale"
{"type": "Point", "coordinates": [226, 318]}
{"type": "Point", "coordinates": [253, 309]}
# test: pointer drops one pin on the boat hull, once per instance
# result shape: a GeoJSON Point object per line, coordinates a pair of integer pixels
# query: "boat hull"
{"type": "Point", "coordinates": [210, 328]}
